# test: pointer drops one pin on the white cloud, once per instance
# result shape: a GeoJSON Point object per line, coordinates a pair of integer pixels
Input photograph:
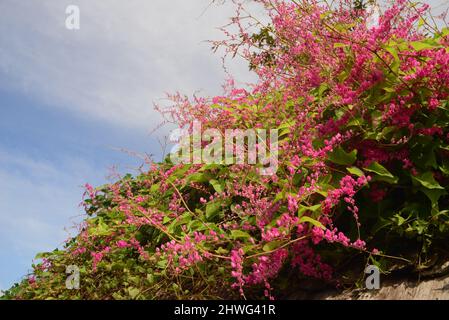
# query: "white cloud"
{"type": "Point", "coordinates": [126, 55]}
{"type": "Point", "coordinates": [37, 198]}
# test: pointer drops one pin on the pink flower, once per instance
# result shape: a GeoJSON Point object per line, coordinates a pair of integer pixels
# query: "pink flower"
{"type": "Point", "coordinates": [359, 244]}
{"type": "Point", "coordinates": [122, 244]}
{"type": "Point", "coordinates": [292, 204]}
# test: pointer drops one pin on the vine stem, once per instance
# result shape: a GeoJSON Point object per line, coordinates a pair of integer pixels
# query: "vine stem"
{"type": "Point", "coordinates": [388, 256]}
{"type": "Point", "coordinates": [187, 207]}
{"type": "Point", "coordinates": [281, 247]}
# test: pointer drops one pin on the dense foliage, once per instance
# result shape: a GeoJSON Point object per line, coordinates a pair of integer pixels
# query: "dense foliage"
{"type": "Point", "coordinates": [363, 116]}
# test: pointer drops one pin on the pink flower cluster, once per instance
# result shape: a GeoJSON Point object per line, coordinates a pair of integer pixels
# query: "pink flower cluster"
{"type": "Point", "coordinates": [97, 257]}
{"type": "Point", "coordinates": [237, 269]}
{"type": "Point", "coordinates": [308, 262]}
{"type": "Point", "coordinates": [267, 268]}
{"type": "Point", "coordinates": [347, 191]}
{"type": "Point", "coordinates": [334, 236]}
{"type": "Point", "coordinates": [182, 255]}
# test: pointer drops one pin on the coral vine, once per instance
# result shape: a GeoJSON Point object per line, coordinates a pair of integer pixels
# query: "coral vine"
{"type": "Point", "coordinates": [363, 118]}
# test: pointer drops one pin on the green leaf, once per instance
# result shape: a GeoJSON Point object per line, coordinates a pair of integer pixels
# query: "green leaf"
{"type": "Point", "coordinates": [445, 32]}
{"type": "Point", "coordinates": [340, 45]}
{"type": "Point", "coordinates": [396, 62]}
{"type": "Point", "coordinates": [355, 171]}
{"type": "Point", "coordinates": [297, 177]}
{"type": "Point", "coordinates": [222, 251]}
{"type": "Point", "coordinates": [212, 209]}
{"type": "Point", "coordinates": [117, 296]}
{"type": "Point", "coordinates": [287, 125]}
{"type": "Point", "coordinates": [40, 255]}
{"type": "Point", "coordinates": [434, 195]}
{"type": "Point", "coordinates": [427, 181]}
{"type": "Point", "coordinates": [270, 246]}
{"type": "Point", "coordinates": [178, 173]}
{"type": "Point", "coordinates": [166, 219]}
{"type": "Point", "coordinates": [150, 278]}
{"type": "Point", "coordinates": [355, 122]}
{"type": "Point", "coordinates": [302, 209]}
{"type": "Point", "coordinates": [162, 264]}
{"type": "Point", "coordinates": [445, 167]}
{"type": "Point", "coordinates": [134, 280]}
{"type": "Point", "coordinates": [239, 234]}
{"type": "Point", "coordinates": [341, 157]}
{"type": "Point", "coordinates": [423, 45]}
{"type": "Point", "coordinates": [211, 166]}
{"type": "Point", "coordinates": [382, 174]}
{"type": "Point", "coordinates": [385, 132]}
{"type": "Point", "coordinates": [218, 187]}
{"type": "Point", "coordinates": [322, 89]}
{"type": "Point", "coordinates": [399, 220]}
{"type": "Point", "coordinates": [183, 219]}
{"type": "Point", "coordinates": [133, 292]}
{"type": "Point", "coordinates": [314, 222]}
{"type": "Point", "coordinates": [280, 196]}
{"type": "Point", "coordinates": [101, 229]}
{"type": "Point", "coordinates": [199, 177]}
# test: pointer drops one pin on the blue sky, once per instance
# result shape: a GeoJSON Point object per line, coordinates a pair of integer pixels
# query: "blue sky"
{"type": "Point", "coordinates": [70, 99]}
{"type": "Point", "coordinates": [46, 155]}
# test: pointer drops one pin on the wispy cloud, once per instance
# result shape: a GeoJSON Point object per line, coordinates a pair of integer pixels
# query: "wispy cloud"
{"type": "Point", "coordinates": [36, 196]}
{"type": "Point", "coordinates": [37, 199]}
{"type": "Point", "coordinates": [126, 55]}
